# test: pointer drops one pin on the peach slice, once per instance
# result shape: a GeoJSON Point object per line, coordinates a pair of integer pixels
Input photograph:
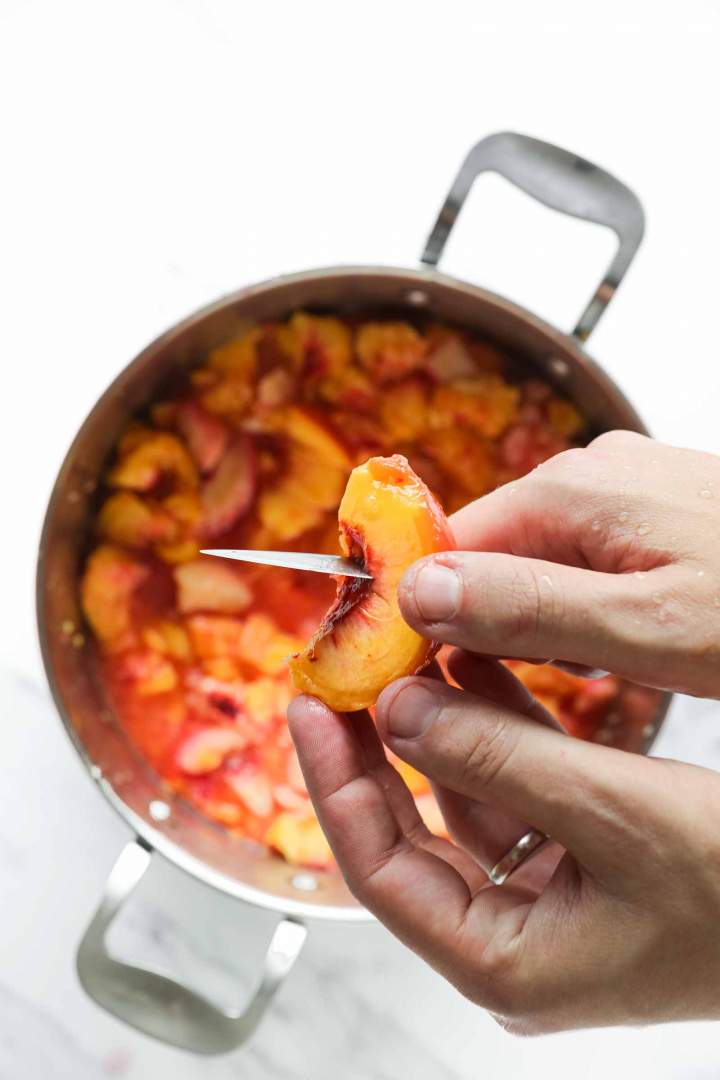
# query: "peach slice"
{"type": "Point", "coordinates": [230, 491]}
{"type": "Point", "coordinates": [299, 498]}
{"type": "Point", "coordinates": [148, 459]}
{"type": "Point", "coordinates": [106, 592]}
{"type": "Point", "coordinates": [389, 351]}
{"type": "Point", "coordinates": [126, 518]}
{"type": "Point", "coordinates": [319, 346]}
{"type": "Point", "coordinates": [206, 436]}
{"type": "Point", "coordinates": [299, 838]}
{"type": "Point", "coordinates": [206, 584]}
{"type": "Point", "coordinates": [388, 518]}
{"type": "Point", "coordinates": [205, 750]}
{"type": "Point", "coordinates": [310, 428]}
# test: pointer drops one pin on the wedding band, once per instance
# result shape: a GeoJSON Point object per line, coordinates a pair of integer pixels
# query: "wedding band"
{"type": "Point", "coordinates": [526, 846]}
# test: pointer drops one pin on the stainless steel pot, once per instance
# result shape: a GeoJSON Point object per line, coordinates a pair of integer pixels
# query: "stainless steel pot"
{"type": "Point", "coordinates": [155, 1004]}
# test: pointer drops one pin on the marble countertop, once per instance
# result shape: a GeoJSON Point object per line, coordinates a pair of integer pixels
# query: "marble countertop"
{"type": "Point", "coordinates": [160, 155]}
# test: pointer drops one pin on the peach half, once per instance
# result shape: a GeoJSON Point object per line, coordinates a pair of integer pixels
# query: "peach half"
{"type": "Point", "coordinates": [388, 518]}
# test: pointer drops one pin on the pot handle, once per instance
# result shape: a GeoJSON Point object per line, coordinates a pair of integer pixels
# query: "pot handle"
{"type": "Point", "coordinates": [562, 181]}
{"type": "Point", "coordinates": [158, 1005]}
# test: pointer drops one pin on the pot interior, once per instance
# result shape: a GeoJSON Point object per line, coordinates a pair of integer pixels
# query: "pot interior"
{"type": "Point", "coordinates": [170, 825]}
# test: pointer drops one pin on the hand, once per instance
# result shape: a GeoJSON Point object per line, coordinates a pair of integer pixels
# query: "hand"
{"type": "Point", "coordinates": [604, 558]}
{"type": "Point", "coordinates": [620, 930]}
{"type": "Point", "coordinates": [607, 557]}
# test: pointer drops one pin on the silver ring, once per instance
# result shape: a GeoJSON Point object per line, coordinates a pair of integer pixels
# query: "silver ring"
{"type": "Point", "coordinates": [526, 846]}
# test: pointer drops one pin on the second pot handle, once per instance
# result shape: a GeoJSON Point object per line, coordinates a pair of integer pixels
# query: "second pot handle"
{"type": "Point", "coordinates": [155, 1003]}
{"type": "Point", "coordinates": [562, 181]}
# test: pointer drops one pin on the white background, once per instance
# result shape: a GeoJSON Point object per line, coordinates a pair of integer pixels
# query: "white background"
{"type": "Point", "coordinates": [156, 155]}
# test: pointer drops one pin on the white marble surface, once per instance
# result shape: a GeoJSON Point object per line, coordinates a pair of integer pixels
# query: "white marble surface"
{"type": "Point", "coordinates": [158, 155]}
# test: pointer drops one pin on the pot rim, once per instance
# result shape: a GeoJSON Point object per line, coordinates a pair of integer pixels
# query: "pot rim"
{"type": "Point", "coordinates": [153, 838]}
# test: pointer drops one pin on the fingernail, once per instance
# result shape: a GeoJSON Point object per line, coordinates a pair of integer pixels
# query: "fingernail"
{"type": "Point", "coordinates": [411, 711]}
{"type": "Point", "coordinates": [438, 592]}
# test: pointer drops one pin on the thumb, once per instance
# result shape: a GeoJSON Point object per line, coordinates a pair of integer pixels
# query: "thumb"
{"type": "Point", "coordinates": [575, 792]}
{"type": "Point", "coordinates": [504, 605]}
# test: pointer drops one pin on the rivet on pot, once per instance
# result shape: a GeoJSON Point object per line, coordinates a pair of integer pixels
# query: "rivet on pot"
{"type": "Point", "coordinates": [304, 882]}
{"type": "Point", "coordinates": [559, 367]}
{"type": "Point", "coordinates": [417, 297]}
{"type": "Point", "coordinates": [159, 810]}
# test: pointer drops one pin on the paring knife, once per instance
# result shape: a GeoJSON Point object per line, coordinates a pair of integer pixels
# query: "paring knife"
{"type": "Point", "coordinates": [295, 560]}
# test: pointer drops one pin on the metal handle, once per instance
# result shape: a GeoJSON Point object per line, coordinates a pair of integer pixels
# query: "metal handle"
{"type": "Point", "coordinates": [561, 181]}
{"type": "Point", "coordinates": [157, 1004]}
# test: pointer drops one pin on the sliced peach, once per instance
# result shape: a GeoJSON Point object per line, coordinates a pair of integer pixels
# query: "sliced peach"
{"type": "Point", "coordinates": [110, 580]}
{"type": "Point", "coordinates": [150, 672]}
{"type": "Point", "coordinates": [264, 645]}
{"type": "Point", "coordinates": [487, 403]}
{"type": "Point", "coordinates": [450, 359]}
{"type": "Point", "coordinates": [214, 636]}
{"type": "Point", "coordinates": [237, 357]}
{"type": "Point", "coordinates": [206, 749]}
{"type": "Point", "coordinates": [388, 518]}
{"type": "Point", "coordinates": [206, 584]}
{"type": "Point", "coordinates": [206, 436]}
{"type": "Point", "coordinates": [168, 638]}
{"type": "Point", "coordinates": [389, 351]}
{"type": "Point", "coordinates": [300, 497]}
{"type": "Point", "coordinates": [228, 395]}
{"type": "Point", "coordinates": [267, 699]}
{"type": "Point", "coordinates": [350, 389]}
{"type": "Point", "coordinates": [126, 518]}
{"type": "Point", "coordinates": [230, 491]}
{"type": "Point", "coordinates": [299, 838]}
{"type": "Point", "coordinates": [319, 346]}
{"type": "Point", "coordinates": [564, 418]}
{"type": "Point", "coordinates": [253, 788]}
{"type": "Point", "coordinates": [465, 457]}
{"type": "Point", "coordinates": [151, 459]}
{"type": "Point", "coordinates": [310, 429]}
{"type": "Point", "coordinates": [404, 410]}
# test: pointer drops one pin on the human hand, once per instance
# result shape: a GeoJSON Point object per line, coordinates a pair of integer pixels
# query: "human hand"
{"type": "Point", "coordinates": [603, 558]}
{"type": "Point", "coordinates": [620, 930]}
{"type": "Point", "coordinates": [607, 557]}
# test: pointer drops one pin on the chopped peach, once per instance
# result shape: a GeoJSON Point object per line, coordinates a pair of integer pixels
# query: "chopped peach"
{"type": "Point", "coordinates": [253, 788]}
{"type": "Point", "coordinates": [168, 638]}
{"type": "Point", "coordinates": [230, 491]}
{"type": "Point", "coordinates": [450, 359]}
{"type": "Point", "coordinates": [464, 457]}
{"type": "Point", "coordinates": [267, 699]}
{"type": "Point", "coordinates": [237, 357]}
{"type": "Point", "coordinates": [222, 668]}
{"type": "Point", "coordinates": [487, 404]}
{"type": "Point", "coordinates": [389, 351]}
{"type": "Point", "coordinates": [300, 839]}
{"type": "Point", "coordinates": [276, 388]}
{"type": "Point", "coordinates": [206, 749]}
{"type": "Point", "coordinates": [126, 518]}
{"type": "Point", "coordinates": [319, 346]}
{"type": "Point", "coordinates": [110, 580]}
{"type": "Point", "coordinates": [206, 436]}
{"type": "Point", "coordinates": [152, 459]}
{"type": "Point", "coordinates": [350, 389]}
{"type": "Point", "coordinates": [404, 410]}
{"type": "Point", "coordinates": [214, 636]}
{"type": "Point", "coordinates": [206, 584]}
{"type": "Point", "coordinates": [301, 496]}
{"type": "Point", "coordinates": [149, 672]}
{"type": "Point", "coordinates": [263, 645]}
{"type": "Point", "coordinates": [564, 418]}
{"type": "Point", "coordinates": [288, 798]}
{"type": "Point", "coordinates": [229, 396]}
{"type": "Point", "coordinates": [388, 518]}
{"type": "Point", "coordinates": [311, 429]}
{"type": "Point", "coordinates": [177, 553]}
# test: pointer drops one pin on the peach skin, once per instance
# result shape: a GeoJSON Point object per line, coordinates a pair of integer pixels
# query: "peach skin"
{"type": "Point", "coordinates": [388, 519]}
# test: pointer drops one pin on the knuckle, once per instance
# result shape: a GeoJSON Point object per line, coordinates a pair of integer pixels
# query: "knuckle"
{"type": "Point", "coordinates": [618, 439]}
{"type": "Point", "coordinates": [489, 756]}
{"type": "Point", "coordinates": [531, 607]}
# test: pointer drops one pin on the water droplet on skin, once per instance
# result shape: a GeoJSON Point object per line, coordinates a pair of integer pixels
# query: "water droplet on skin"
{"type": "Point", "coordinates": [639, 574]}
{"type": "Point", "coordinates": [595, 526]}
{"type": "Point", "coordinates": [706, 493]}
{"type": "Point", "coordinates": [643, 530]}
{"type": "Point", "coordinates": [657, 598]}
{"type": "Point", "coordinates": [623, 517]}
{"type": "Point", "coordinates": [546, 580]}
{"type": "Point", "coordinates": [701, 573]}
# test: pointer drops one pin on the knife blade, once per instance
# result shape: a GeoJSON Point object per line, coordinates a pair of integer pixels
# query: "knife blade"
{"type": "Point", "coordinates": [295, 560]}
